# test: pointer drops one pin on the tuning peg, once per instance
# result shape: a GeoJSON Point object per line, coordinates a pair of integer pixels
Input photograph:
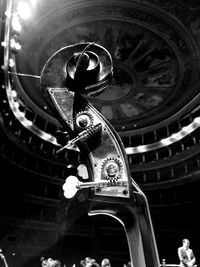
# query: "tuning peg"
{"type": "Point", "coordinates": [72, 185]}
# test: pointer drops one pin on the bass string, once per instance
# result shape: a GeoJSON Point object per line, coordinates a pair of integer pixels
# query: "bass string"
{"type": "Point", "coordinates": [38, 77]}
{"type": "Point", "coordinates": [23, 74]}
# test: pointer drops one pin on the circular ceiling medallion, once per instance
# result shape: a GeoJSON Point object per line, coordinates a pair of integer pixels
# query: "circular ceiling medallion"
{"type": "Point", "coordinates": [155, 60]}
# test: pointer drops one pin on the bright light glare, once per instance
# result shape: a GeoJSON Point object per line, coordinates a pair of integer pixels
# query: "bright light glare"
{"type": "Point", "coordinates": [23, 9]}
{"type": "Point", "coordinates": [28, 123]}
{"type": "Point", "coordinates": [33, 2]}
{"type": "Point", "coordinates": [8, 14]}
{"type": "Point", "coordinates": [14, 93]}
{"type": "Point", "coordinates": [14, 44]}
{"type": "Point", "coordinates": [16, 23]}
{"type": "Point", "coordinates": [165, 141]}
{"type": "Point", "coordinates": [197, 120]}
{"type": "Point", "coordinates": [4, 43]}
{"type": "Point", "coordinates": [11, 62]}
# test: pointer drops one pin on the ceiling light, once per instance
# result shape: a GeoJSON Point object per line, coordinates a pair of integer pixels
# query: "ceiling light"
{"type": "Point", "coordinates": [16, 23]}
{"type": "Point", "coordinates": [23, 10]}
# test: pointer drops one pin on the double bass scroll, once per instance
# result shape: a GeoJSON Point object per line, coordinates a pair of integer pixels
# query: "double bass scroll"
{"type": "Point", "coordinates": [69, 78]}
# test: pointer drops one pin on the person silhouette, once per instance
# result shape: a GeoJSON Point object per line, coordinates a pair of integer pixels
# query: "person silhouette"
{"type": "Point", "coordinates": [186, 255]}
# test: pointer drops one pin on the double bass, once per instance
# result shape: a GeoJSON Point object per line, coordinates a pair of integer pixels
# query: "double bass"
{"type": "Point", "coordinates": [69, 79]}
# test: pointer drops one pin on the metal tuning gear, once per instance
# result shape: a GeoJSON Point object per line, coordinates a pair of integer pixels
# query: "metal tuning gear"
{"type": "Point", "coordinates": [84, 120]}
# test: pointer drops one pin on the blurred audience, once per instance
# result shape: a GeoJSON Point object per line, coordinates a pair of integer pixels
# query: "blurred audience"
{"type": "Point", "coordinates": [105, 263]}
{"type": "Point", "coordinates": [50, 263]}
{"type": "Point", "coordinates": [89, 262]}
{"type": "Point", "coordinates": [86, 262]}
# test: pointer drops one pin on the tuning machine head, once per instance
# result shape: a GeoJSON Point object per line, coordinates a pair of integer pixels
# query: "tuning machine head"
{"type": "Point", "coordinates": [111, 169]}
{"type": "Point", "coordinates": [83, 120]}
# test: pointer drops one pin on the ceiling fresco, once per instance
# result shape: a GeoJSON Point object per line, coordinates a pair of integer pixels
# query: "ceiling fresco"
{"type": "Point", "coordinates": [155, 59]}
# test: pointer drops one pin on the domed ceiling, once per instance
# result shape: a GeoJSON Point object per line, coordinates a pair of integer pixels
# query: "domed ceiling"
{"type": "Point", "coordinates": [155, 57]}
{"type": "Point", "coordinates": [152, 102]}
